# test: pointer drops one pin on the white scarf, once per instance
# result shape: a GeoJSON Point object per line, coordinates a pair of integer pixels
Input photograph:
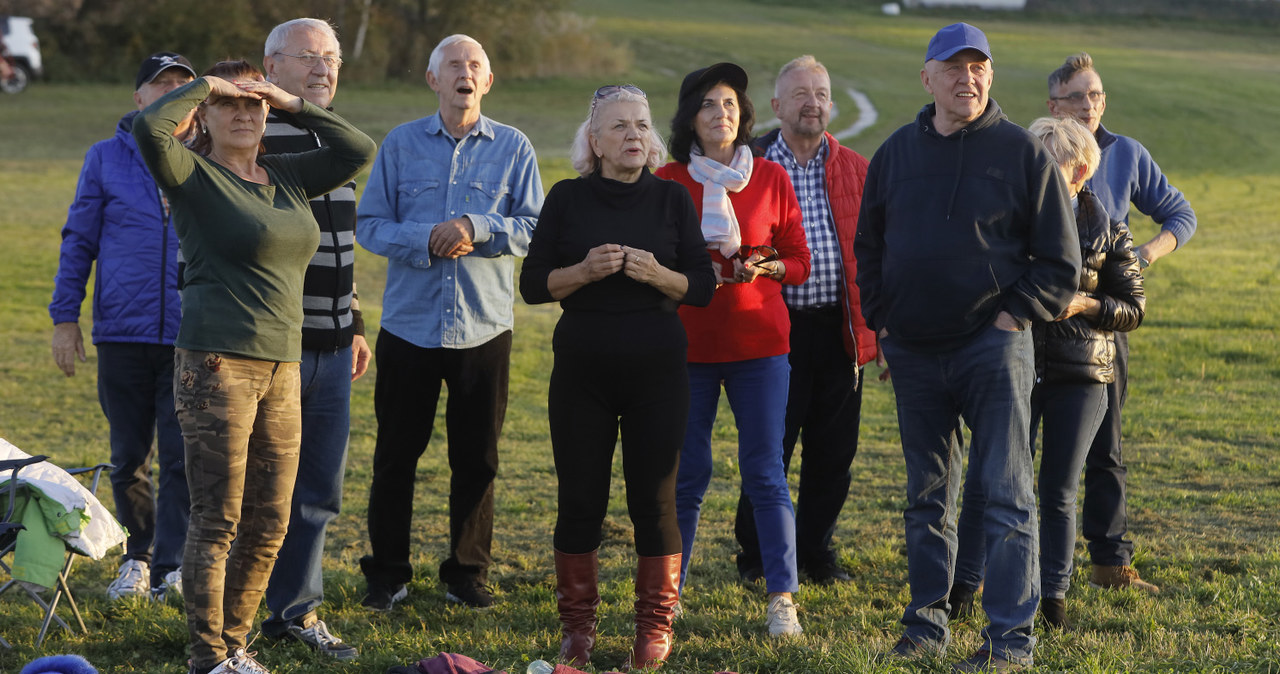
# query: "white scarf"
{"type": "Point", "coordinates": [719, 222]}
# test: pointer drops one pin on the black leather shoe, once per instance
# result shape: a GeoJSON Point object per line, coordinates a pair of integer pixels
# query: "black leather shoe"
{"type": "Point", "coordinates": [827, 573]}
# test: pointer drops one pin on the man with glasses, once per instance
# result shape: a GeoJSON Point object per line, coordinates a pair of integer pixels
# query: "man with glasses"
{"type": "Point", "coordinates": [1127, 174]}
{"type": "Point", "coordinates": [452, 199]}
{"type": "Point", "coordinates": [830, 341]}
{"type": "Point", "coordinates": [302, 57]}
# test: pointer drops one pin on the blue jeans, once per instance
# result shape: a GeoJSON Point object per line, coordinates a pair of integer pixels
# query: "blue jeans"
{"type": "Point", "coordinates": [987, 383]}
{"type": "Point", "coordinates": [757, 391]}
{"type": "Point", "coordinates": [1071, 413]}
{"type": "Point", "coordinates": [296, 587]}
{"type": "Point", "coordinates": [135, 389]}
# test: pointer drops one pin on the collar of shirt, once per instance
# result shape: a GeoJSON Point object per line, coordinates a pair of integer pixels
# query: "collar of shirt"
{"type": "Point", "coordinates": [482, 127]}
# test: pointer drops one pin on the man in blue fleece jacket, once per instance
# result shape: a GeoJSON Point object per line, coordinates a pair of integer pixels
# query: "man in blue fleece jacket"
{"type": "Point", "coordinates": [1127, 174]}
{"type": "Point", "coordinates": [965, 237]}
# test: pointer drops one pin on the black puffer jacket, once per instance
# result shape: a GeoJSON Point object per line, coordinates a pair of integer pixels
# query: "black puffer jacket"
{"type": "Point", "coordinates": [1080, 349]}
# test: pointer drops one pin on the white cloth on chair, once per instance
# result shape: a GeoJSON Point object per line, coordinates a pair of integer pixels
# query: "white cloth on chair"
{"type": "Point", "coordinates": [98, 531]}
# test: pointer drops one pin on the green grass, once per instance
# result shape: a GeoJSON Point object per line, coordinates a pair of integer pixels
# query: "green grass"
{"type": "Point", "coordinates": [1201, 428]}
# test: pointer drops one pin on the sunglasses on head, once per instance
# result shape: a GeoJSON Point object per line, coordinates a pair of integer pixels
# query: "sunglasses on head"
{"type": "Point", "coordinates": [610, 89]}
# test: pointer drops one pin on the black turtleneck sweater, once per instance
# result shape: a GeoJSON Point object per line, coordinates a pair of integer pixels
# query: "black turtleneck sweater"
{"type": "Point", "coordinates": [616, 313]}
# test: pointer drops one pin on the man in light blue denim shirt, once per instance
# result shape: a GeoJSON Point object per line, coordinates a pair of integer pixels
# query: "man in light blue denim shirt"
{"type": "Point", "coordinates": [452, 200]}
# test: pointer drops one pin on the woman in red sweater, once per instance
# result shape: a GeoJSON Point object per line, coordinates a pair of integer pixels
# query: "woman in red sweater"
{"type": "Point", "coordinates": [752, 223]}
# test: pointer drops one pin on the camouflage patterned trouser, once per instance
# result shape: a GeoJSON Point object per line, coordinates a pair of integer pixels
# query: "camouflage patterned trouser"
{"type": "Point", "coordinates": [242, 426]}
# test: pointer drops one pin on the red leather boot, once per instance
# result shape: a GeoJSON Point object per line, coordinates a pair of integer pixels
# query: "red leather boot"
{"type": "Point", "coordinates": [657, 593]}
{"type": "Point", "coordinates": [577, 596]}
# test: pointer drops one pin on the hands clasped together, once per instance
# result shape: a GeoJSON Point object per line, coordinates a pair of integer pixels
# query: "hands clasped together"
{"type": "Point", "coordinates": [610, 258]}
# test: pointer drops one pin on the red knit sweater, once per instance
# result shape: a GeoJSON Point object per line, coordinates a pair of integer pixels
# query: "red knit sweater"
{"type": "Point", "coordinates": [749, 320]}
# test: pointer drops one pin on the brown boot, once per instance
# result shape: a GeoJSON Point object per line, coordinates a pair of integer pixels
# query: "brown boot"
{"type": "Point", "coordinates": [1119, 577]}
{"type": "Point", "coordinates": [657, 593]}
{"type": "Point", "coordinates": [577, 596]}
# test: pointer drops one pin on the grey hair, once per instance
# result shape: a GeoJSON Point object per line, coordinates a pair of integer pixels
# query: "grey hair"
{"type": "Point", "coordinates": [280, 34]}
{"type": "Point", "coordinates": [585, 161]}
{"type": "Point", "coordinates": [1069, 142]}
{"type": "Point", "coordinates": [806, 62]}
{"type": "Point", "coordinates": [1076, 63]}
{"type": "Point", "coordinates": [437, 54]}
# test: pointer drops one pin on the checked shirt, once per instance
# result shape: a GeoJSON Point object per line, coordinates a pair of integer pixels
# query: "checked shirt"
{"type": "Point", "coordinates": [824, 284]}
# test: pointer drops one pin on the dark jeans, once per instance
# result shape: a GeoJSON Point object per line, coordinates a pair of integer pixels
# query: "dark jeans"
{"type": "Point", "coordinates": [404, 400]}
{"type": "Point", "coordinates": [1071, 413]}
{"type": "Point", "coordinates": [986, 382]}
{"type": "Point", "coordinates": [824, 404]}
{"type": "Point", "coordinates": [297, 584]}
{"type": "Point", "coordinates": [589, 394]}
{"type": "Point", "coordinates": [135, 389]}
{"type": "Point", "coordinates": [1105, 517]}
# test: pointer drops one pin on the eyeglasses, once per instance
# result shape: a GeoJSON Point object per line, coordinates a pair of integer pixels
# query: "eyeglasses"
{"type": "Point", "coordinates": [310, 60]}
{"type": "Point", "coordinates": [1077, 97]}
{"type": "Point", "coordinates": [767, 253]}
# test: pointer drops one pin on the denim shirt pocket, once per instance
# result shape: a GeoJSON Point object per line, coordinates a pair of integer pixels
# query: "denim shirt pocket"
{"type": "Point", "coordinates": [490, 194]}
{"type": "Point", "coordinates": [414, 189]}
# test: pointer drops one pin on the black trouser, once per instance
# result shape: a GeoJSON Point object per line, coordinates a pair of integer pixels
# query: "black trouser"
{"type": "Point", "coordinates": [1105, 518]}
{"type": "Point", "coordinates": [588, 396]}
{"type": "Point", "coordinates": [824, 405]}
{"type": "Point", "coordinates": [405, 397]}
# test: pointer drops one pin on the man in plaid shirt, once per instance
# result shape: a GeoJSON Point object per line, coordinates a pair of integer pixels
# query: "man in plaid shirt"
{"type": "Point", "coordinates": [830, 342]}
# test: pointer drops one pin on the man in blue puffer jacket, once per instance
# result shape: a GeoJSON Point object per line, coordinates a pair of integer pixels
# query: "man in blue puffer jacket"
{"type": "Point", "coordinates": [120, 219]}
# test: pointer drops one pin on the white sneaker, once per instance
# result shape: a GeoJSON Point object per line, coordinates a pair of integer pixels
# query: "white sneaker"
{"type": "Point", "coordinates": [133, 579]}
{"type": "Point", "coordinates": [781, 618]}
{"type": "Point", "coordinates": [170, 587]}
{"type": "Point", "coordinates": [240, 663]}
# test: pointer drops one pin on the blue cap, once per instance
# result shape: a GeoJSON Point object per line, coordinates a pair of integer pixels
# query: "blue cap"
{"type": "Point", "coordinates": [955, 38]}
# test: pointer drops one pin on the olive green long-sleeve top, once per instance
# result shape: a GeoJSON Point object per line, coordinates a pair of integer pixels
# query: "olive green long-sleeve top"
{"type": "Point", "coordinates": [246, 245]}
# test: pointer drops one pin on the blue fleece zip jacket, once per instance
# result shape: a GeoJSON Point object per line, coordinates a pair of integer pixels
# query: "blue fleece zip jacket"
{"type": "Point", "coordinates": [119, 220]}
{"type": "Point", "coordinates": [1127, 174]}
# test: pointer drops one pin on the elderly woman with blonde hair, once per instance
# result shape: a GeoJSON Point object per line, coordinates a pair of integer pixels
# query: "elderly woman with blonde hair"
{"type": "Point", "coordinates": [1075, 360]}
{"type": "Point", "coordinates": [620, 250]}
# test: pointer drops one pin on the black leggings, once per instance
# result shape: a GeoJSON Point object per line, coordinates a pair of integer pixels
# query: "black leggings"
{"type": "Point", "coordinates": [589, 394]}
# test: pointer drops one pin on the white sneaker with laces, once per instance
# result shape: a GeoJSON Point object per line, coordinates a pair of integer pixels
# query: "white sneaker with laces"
{"type": "Point", "coordinates": [240, 663]}
{"type": "Point", "coordinates": [781, 618]}
{"type": "Point", "coordinates": [170, 587]}
{"type": "Point", "coordinates": [133, 579]}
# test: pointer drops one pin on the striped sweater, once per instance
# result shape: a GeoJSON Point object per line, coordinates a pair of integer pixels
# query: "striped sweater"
{"type": "Point", "coordinates": [331, 312]}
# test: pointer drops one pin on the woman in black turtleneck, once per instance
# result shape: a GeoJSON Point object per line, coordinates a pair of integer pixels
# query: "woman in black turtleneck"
{"type": "Point", "coordinates": [620, 249]}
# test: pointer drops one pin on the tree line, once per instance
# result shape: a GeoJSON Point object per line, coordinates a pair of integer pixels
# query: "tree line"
{"type": "Point", "coordinates": [104, 40]}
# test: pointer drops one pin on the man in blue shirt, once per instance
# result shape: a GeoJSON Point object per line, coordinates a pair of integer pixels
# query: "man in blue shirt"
{"type": "Point", "coordinates": [1126, 174]}
{"type": "Point", "coordinates": [452, 200]}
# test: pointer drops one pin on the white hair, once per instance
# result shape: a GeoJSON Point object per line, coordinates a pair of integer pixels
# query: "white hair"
{"type": "Point", "coordinates": [437, 54]}
{"type": "Point", "coordinates": [280, 34]}
{"type": "Point", "coordinates": [806, 62]}
{"type": "Point", "coordinates": [584, 159]}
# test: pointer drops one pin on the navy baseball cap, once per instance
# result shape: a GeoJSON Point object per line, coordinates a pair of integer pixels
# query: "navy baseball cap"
{"type": "Point", "coordinates": [956, 38]}
{"type": "Point", "coordinates": [159, 62]}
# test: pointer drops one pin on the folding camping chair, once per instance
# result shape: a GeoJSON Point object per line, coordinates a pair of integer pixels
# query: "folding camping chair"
{"type": "Point", "coordinates": [8, 542]}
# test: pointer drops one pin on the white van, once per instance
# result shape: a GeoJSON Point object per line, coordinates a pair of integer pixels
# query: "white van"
{"type": "Point", "coordinates": [22, 44]}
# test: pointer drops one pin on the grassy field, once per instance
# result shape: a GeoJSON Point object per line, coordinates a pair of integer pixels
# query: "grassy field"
{"type": "Point", "coordinates": [1201, 427]}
